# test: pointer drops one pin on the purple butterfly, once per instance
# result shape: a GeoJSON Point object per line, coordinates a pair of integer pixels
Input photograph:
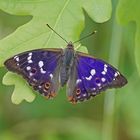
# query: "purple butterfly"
{"type": "Point", "coordinates": [46, 70]}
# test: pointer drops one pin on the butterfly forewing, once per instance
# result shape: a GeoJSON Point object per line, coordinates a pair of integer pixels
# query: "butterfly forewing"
{"type": "Point", "coordinates": [40, 68]}
{"type": "Point", "coordinates": [93, 76]}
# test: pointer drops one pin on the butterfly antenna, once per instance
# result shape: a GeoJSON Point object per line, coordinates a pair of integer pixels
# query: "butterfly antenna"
{"type": "Point", "coordinates": [85, 37]}
{"type": "Point", "coordinates": [57, 33]}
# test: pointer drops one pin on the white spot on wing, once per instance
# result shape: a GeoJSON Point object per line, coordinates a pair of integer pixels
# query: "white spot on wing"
{"type": "Point", "coordinates": [99, 84]}
{"type": "Point", "coordinates": [116, 74]}
{"type": "Point", "coordinates": [89, 78]}
{"type": "Point", "coordinates": [103, 79]}
{"type": "Point", "coordinates": [51, 75]}
{"type": "Point", "coordinates": [105, 69]}
{"type": "Point", "coordinates": [85, 95]}
{"type": "Point", "coordinates": [17, 59]}
{"type": "Point", "coordinates": [94, 89]}
{"type": "Point", "coordinates": [103, 72]}
{"type": "Point", "coordinates": [30, 53]}
{"type": "Point", "coordinates": [30, 61]}
{"type": "Point", "coordinates": [42, 71]}
{"type": "Point", "coordinates": [31, 74]}
{"type": "Point", "coordinates": [34, 80]}
{"type": "Point", "coordinates": [78, 81]}
{"type": "Point", "coordinates": [105, 65]}
{"type": "Point", "coordinates": [29, 58]}
{"type": "Point", "coordinates": [93, 72]}
{"type": "Point", "coordinates": [40, 64]}
{"type": "Point", "coordinates": [28, 68]}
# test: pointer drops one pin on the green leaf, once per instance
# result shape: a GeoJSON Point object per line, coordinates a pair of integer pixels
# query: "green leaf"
{"type": "Point", "coordinates": [66, 17]}
{"type": "Point", "coordinates": [21, 92]}
{"type": "Point", "coordinates": [129, 11]}
{"type": "Point", "coordinates": [81, 48]}
{"type": "Point", "coordinates": [98, 10]}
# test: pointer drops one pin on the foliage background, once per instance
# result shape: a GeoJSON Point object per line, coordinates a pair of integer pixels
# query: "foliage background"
{"type": "Point", "coordinates": [112, 115]}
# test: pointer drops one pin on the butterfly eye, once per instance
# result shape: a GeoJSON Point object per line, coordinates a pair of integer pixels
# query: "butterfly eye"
{"type": "Point", "coordinates": [78, 91]}
{"type": "Point", "coordinates": [47, 85]}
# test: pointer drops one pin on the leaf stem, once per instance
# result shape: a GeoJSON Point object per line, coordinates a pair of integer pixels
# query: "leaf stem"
{"type": "Point", "coordinates": [109, 100]}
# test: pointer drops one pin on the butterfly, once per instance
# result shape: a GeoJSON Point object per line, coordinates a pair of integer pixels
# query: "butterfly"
{"type": "Point", "coordinates": [46, 70]}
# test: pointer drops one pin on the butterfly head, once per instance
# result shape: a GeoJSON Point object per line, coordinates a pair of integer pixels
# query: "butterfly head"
{"type": "Point", "coordinates": [70, 45]}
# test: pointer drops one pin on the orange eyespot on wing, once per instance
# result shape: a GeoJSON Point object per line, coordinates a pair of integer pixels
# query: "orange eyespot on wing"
{"type": "Point", "coordinates": [78, 91]}
{"type": "Point", "coordinates": [47, 85]}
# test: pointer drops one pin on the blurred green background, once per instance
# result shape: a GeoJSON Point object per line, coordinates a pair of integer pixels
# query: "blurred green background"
{"type": "Point", "coordinates": [114, 115]}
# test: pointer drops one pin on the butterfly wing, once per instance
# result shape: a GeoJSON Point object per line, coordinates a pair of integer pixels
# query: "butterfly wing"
{"type": "Point", "coordinates": [91, 77]}
{"type": "Point", "coordinates": [40, 68]}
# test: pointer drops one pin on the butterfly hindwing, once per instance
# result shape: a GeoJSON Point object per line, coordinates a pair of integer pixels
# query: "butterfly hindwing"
{"type": "Point", "coordinates": [94, 76]}
{"type": "Point", "coordinates": [40, 68]}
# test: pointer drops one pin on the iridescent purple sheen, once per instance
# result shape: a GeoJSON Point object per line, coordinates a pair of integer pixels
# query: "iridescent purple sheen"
{"type": "Point", "coordinates": [91, 85]}
{"type": "Point", "coordinates": [28, 67]}
{"type": "Point", "coordinates": [49, 59]}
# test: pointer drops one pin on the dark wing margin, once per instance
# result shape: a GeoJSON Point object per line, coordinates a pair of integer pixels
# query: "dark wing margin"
{"type": "Point", "coordinates": [40, 68]}
{"type": "Point", "coordinates": [92, 76]}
